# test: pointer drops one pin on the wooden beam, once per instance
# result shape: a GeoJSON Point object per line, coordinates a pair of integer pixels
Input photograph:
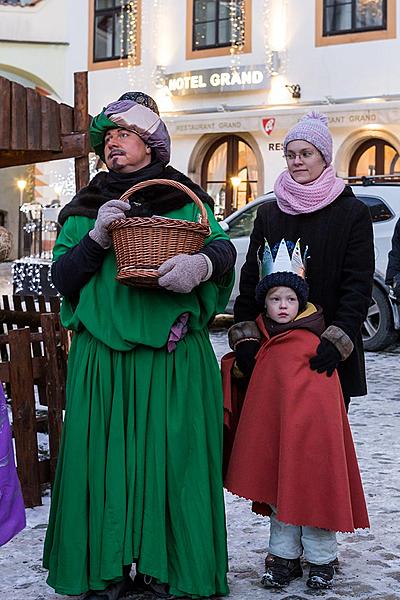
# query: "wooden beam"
{"type": "Point", "coordinates": [18, 117]}
{"type": "Point", "coordinates": [54, 122]}
{"type": "Point", "coordinates": [24, 416]}
{"type": "Point", "coordinates": [81, 124]}
{"type": "Point", "coordinates": [55, 387]}
{"type": "Point", "coordinates": [34, 120]}
{"type": "Point", "coordinates": [75, 144]}
{"type": "Point", "coordinates": [5, 112]}
{"type": "Point", "coordinates": [66, 118]}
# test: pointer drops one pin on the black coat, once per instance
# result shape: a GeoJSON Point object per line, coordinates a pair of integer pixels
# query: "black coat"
{"type": "Point", "coordinates": [340, 268]}
{"type": "Point", "coordinates": [393, 267]}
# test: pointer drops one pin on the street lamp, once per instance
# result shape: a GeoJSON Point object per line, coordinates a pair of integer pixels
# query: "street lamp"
{"type": "Point", "coordinates": [235, 181]}
{"type": "Point", "coordinates": [21, 185]}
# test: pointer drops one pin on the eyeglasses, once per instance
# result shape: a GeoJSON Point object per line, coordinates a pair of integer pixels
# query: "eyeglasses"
{"type": "Point", "coordinates": [303, 155]}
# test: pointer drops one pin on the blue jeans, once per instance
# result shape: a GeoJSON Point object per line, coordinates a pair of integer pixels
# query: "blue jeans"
{"type": "Point", "coordinates": [319, 546]}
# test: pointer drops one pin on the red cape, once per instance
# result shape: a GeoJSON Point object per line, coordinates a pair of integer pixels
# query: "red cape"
{"type": "Point", "coordinates": [293, 446]}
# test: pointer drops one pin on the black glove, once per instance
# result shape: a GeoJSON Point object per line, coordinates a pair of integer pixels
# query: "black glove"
{"type": "Point", "coordinates": [396, 286]}
{"type": "Point", "coordinates": [327, 358]}
{"type": "Point", "coordinates": [245, 355]}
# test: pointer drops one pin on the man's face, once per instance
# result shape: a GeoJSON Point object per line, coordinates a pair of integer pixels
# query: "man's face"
{"type": "Point", "coordinates": [125, 151]}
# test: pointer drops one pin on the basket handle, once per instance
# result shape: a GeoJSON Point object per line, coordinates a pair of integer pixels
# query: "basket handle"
{"type": "Point", "coordinates": [180, 186]}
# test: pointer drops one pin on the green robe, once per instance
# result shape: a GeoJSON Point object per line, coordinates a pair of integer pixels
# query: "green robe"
{"type": "Point", "coordinates": [139, 473]}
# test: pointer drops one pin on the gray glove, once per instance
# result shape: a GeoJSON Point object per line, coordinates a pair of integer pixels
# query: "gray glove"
{"type": "Point", "coordinates": [109, 212]}
{"type": "Point", "coordinates": [184, 272]}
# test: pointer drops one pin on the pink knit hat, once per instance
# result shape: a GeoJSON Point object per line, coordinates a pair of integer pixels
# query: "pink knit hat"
{"type": "Point", "coordinates": [313, 128]}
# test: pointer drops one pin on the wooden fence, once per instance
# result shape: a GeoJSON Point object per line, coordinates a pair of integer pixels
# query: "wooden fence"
{"type": "Point", "coordinates": [33, 367]}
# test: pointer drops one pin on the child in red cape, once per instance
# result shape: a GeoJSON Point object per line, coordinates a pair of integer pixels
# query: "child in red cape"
{"type": "Point", "coordinates": [293, 452]}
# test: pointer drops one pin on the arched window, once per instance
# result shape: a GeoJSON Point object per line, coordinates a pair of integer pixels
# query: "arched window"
{"type": "Point", "coordinates": [230, 174]}
{"type": "Point", "coordinates": [375, 157]}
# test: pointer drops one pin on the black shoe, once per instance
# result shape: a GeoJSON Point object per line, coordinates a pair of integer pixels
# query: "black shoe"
{"type": "Point", "coordinates": [321, 576]}
{"type": "Point", "coordinates": [115, 591]}
{"type": "Point", "coordinates": [280, 571]}
{"type": "Point", "coordinates": [145, 583]}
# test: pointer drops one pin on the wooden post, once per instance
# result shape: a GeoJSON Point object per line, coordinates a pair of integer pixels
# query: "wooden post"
{"type": "Point", "coordinates": [24, 416]}
{"type": "Point", "coordinates": [5, 113]}
{"type": "Point", "coordinates": [81, 125]}
{"type": "Point", "coordinates": [55, 387]}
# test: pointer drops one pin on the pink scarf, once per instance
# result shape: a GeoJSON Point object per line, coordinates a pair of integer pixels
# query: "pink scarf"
{"type": "Point", "coordinates": [298, 198]}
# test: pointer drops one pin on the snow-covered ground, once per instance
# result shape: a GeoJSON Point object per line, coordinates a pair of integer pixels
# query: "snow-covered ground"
{"type": "Point", "coordinates": [370, 560]}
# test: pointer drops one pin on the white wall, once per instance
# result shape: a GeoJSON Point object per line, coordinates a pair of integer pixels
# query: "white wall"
{"type": "Point", "coordinates": [343, 70]}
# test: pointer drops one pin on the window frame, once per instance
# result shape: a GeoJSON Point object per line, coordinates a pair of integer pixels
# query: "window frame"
{"type": "Point", "coordinates": [112, 63]}
{"type": "Point", "coordinates": [354, 36]}
{"type": "Point", "coordinates": [217, 50]}
{"type": "Point", "coordinates": [366, 200]}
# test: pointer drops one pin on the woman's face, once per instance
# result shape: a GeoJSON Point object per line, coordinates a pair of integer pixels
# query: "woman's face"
{"type": "Point", "coordinates": [305, 163]}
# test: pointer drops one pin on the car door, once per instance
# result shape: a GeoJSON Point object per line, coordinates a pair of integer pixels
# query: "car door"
{"type": "Point", "coordinates": [240, 228]}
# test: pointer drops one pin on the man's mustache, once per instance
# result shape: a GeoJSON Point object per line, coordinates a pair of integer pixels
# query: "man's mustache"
{"type": "Point", "coordinates": [116, 152]}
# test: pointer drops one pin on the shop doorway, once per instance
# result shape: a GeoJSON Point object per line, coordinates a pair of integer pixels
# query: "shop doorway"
{"type": "Point", "coordinates": [230, 174]}
{"type": "Point", "coordinates": [375, 157]}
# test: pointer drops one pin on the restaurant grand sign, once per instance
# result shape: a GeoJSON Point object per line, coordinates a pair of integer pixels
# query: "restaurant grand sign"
{"type": "Point", "coordinates": [208, 81]}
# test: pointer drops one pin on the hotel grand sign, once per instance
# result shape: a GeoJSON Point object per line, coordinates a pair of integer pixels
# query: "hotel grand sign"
{"type": "Point", "coordinates": [213, 81]}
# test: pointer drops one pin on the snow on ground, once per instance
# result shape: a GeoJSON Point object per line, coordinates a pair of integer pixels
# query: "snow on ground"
{"type": "Point", "coordinates": [370, 560]}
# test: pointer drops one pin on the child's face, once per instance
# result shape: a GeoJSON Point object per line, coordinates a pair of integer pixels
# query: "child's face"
{"type": "Point", "coordinates": [282, 304]}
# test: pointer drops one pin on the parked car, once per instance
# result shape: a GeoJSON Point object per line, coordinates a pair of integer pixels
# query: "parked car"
{"type": "Point", "coordinates": [383, 200]}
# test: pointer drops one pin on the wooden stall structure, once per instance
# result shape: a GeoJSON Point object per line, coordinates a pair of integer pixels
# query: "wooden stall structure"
{"type": "Point", "coordinates": [34, 349]}
{"type": "Point", "coordinates": [33, 345]}
{"type": "Point", "coordinates": [34, 128]}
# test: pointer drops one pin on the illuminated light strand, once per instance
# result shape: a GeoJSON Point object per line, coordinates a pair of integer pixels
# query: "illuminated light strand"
{"type": "Point", "coordinates": [237, 18]}
{"type": "Point", "coordinates": [128, 23]}
{"type": "Point", "coordinates": [121, 20]}
{"type": "Point", "coordinates": [132, 39]}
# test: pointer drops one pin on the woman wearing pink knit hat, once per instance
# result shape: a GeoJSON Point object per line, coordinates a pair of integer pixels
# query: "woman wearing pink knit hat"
{"type": "Point", "coordinates": [314, 206]}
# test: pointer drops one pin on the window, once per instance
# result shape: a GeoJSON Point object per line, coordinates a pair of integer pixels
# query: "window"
{"type": "Point", "coordinates": [230, 174]}
{"type": "Point", "coordinates": [242, 226]}
{"type": "Point", "coordinates": [374, 157]}
{"type": "Point", "coordinates": [217, 23]}
{"type": "Point", "coordinates": [378, 210]}
{"type": "Point", "coordinates": [349, 16]}
{"type": "Point", "coordinates": [114, 33]}
{"type": "Point", "coordinates": [344, 21]}
{"type": "Point", "coordinates": [214, 27]}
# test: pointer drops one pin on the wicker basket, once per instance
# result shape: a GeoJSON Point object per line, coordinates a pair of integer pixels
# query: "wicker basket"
{"type": "Point", "coordinates": [142, 244]}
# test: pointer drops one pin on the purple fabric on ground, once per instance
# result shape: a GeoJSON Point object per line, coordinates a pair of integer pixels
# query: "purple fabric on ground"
{"type": "Point", "coordinates": [178, 331]}
{"type": "Point", "coordinates": [12, 509]}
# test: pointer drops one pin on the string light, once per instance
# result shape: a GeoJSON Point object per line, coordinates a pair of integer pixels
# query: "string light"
{"type": "Point", "coordinates": [237, 18]}
{"type": "Point", "coordinates": [28, 274]}
{"type": "Point", "coordinates": [128, 24]}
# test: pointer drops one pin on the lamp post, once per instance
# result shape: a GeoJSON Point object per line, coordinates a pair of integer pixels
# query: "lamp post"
{"type": "Point", "coordinates": [21, 185]}
{"type": "Point", "coordinates": [235, 181]}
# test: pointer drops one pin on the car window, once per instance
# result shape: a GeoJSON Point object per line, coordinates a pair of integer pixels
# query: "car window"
{"type": "Point", "coordinates": [379, 211]}
{"type": "Point", "coordinates": [242, 225]}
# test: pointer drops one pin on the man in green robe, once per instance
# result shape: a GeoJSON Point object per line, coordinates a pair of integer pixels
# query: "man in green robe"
{"type": "Point", "coordinates": [139, 476]}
